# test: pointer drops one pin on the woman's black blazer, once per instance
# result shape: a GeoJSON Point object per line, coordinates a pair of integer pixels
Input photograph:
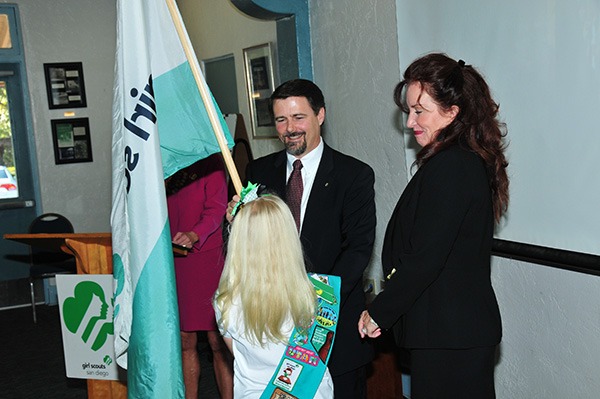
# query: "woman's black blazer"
{"type": "Point", "coordinates": [439, 242]}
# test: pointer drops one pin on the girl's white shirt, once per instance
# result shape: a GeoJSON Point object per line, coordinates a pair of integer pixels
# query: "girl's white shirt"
{"type": "Point", "coordinates": [254, 365]}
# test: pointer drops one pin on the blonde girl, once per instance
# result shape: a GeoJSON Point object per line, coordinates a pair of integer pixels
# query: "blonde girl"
{"type": "Point", "coordinates": [263, 293]}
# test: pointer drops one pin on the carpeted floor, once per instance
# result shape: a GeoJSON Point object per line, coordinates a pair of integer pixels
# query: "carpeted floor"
{"type": "Point", "coordinates": [32, 360]}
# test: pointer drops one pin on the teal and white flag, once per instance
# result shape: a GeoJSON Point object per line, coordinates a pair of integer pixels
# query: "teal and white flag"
{"type": "Point", "coordinates": [160, 125]}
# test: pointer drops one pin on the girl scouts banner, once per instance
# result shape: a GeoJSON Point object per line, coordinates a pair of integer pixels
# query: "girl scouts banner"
{"type": "Point", "coordinates": [160, 124]}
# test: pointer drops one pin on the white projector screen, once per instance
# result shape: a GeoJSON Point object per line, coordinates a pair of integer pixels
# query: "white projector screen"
{"type": "Point", "coordinates": [541, 59]}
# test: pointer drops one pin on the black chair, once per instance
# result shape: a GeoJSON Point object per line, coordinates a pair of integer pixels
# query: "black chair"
{"type": "Point", "coordinates": [45, 263]}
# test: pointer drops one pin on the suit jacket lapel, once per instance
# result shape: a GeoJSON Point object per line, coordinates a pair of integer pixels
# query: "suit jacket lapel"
{"type": "Point", "coordinates": [319, 194]}
{"type": "Point", "coordinates": [279, 182]}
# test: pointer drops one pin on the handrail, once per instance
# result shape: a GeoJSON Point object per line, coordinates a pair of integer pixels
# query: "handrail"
{"type": "Point", "coordinates": [560, 258]}
{"type": "Point", "coordinates": [16, 204]}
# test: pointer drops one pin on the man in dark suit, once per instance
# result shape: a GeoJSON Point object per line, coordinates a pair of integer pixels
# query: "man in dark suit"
{"type": "Point", "coordinates": [337, 217]}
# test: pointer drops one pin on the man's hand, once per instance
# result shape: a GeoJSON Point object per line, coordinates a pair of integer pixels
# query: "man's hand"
{"type": "Point", "coordinates": [230, 206]}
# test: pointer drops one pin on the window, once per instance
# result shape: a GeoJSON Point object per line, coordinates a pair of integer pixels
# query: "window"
{"type": "Point", "coordinates": [5, 37]}
{"type": "Point", "coordinates": [8, 182]}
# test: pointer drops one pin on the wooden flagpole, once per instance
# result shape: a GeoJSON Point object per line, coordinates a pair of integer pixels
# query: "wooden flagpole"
{"type": "Point", "coordinates": [212, 112]}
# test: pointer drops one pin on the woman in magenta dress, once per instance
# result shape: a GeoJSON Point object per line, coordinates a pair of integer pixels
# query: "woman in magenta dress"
{"type": "Point", "coordinates": [197, 200]}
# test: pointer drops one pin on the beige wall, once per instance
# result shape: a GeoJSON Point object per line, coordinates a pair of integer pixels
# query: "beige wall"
{"type": "Point", "coordinates": [72, 31]}
{"type": "Point", "coordinates": [355, 57]}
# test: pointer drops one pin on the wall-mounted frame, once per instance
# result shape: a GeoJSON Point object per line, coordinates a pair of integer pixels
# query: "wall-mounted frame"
{"type": "Point", "coordinates": [65, 85]}
{"type": "Point", "coordinates": [260, 83]}
{"type": "Point", "coordinates": [72, 142]}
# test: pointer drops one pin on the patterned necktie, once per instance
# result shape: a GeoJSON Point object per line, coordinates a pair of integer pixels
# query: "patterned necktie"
{"type": "Point", "coordinates": [293, 191]}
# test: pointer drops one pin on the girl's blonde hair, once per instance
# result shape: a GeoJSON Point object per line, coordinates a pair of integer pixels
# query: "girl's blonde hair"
{"type": "Point", "coordinates": [264, 270]}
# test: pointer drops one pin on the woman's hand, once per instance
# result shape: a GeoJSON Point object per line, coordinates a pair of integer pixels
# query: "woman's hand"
{"type": "Point", "coordinates": [367, 326]}
{"type": "Point", "coordinates": [186, 239]}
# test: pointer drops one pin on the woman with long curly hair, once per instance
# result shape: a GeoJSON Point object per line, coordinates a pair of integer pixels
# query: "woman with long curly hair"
{"type": "Point", "coordinates": [438, 296]}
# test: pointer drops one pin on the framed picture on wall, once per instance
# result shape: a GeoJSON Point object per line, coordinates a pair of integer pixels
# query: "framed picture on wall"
{"type": "Point", "coordinates": [260, 83]}
{"type": "Point", "coordinates": [65, 85]}
{"type": "Point", "coordinates": [71, 138]}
